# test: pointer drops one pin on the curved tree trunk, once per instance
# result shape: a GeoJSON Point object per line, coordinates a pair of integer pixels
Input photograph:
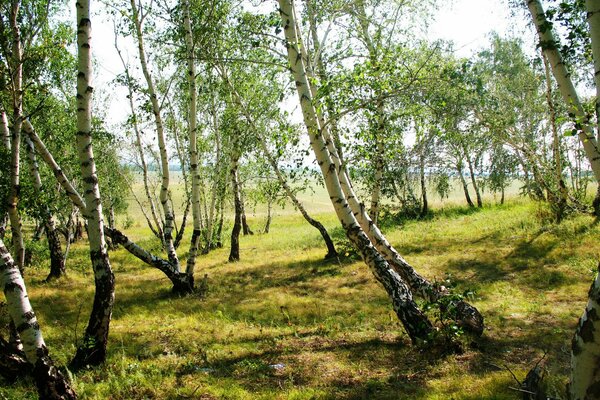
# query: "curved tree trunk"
{"type": "Point", "coordinates": [234, 254]}
{"type": "Point", "coordinates": [57, 260]}
{"type": "Point", "coordinates": [93, 349]}
{"type": "Point", "coordinates": [331, 251]}
{"type": "Point", "coordinates": [17, 98]}
{"type": "Point", "coordinates": [549, 45]}
{"type": "Point", "coordinates": [50, 382]}
{"type": "Point", "coordinates": [464, 185]}
{"type": "Point", "coordinates": [415, 322]}
{"type": "Point", "coordinates": [467, 315]}
{"type": "Point", "coordinates": [164, 157]}
{"type": "Point", "coordinates": [179, 280]}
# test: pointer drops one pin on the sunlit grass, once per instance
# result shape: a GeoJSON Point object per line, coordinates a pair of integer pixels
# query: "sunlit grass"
{"type": "Point", "coordinates": [284, 324]}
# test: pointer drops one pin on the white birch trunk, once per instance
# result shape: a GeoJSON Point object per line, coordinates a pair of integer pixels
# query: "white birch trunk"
{"type": "Point", "coordinates": [93, 350]}
{"type": "Point", "coordinates": [50, 382]}
{"type": "Point", "coordinates": [468, 316]}
{"type": "Point", "coordinates": [17, 103]}
{"type": "Point", "coordinates": [160, 133]}
{"type": "Point", "coordinates": [593, 17]}
{"type": "Point", "coordinates": [193, 148]}
{"type": "Point", "coordinates": [549, 46]}
{"type": "Point", "coordinates": [585, 350]}
{"type": "Point", "coordinates": [416, 324]}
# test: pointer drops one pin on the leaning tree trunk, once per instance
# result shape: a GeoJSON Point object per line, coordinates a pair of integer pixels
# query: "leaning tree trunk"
{"type": "Point", "coordinates": [50, 382]}
{"type": "Point", "coordinates": [415, 322]}
{"type": "Point", "coordinates": [57, 260]}
{"type": "Point", "coordinates": [474, 182]}
{"type": "Point", "coordinates": [179, 280]}
{"type": "Point", "coordinates": [549, 45]}
{"type": "Point", "coordinates": [164, 157]}
{"type": "Point", "coordinates": [466, 315]}
{"type": "Point", "coordinates": [17, 95]}
{"type": "Point", "coordinates": [234, 254]}
{"type": "Point", "coordinates": [585, 350]}
{"type": "Point", "coordinates": [331, 252]}
{"type": "Point", "coordinates": [93, 349]}
{"type": "Point", "coordinates": [464, 185]}
{"type": "Point", "coordinates": [245, 227]}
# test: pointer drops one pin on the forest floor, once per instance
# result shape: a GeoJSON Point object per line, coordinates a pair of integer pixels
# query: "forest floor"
{"type": "Point", "coordinates": [285, 324]}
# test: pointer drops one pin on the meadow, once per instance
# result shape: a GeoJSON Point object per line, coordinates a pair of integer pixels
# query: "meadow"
{"type": "Point", "coordinates": [285, 324]}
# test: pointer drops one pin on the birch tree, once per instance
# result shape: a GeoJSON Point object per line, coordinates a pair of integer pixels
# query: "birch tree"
{"type": "Point", "coordinates": [50, 382]}
{"type": "Point", "coordinates": [359, 228]}
{"type": "Point", "coordinates": [93, 349]}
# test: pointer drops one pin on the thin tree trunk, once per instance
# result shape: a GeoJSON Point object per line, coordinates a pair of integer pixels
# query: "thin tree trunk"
{"type": "Point", "coordinates": [269, 217]}
{"type": "Point", "coordinates": [57, 261]}
{"type": "Point", "coordinates": [50, 382]}
{"type": "Point", "coordinates": [179, 280]}
{"type": "Point", "coordinates": [549, 45]}
{"type": "Point", "coordinates": [93, 349]}
{"type": "Point", "coordinates": [425, 205]}
{"type": "Point", "coordinates": [245, 227]}
{"type": "Point", "coordinates": [331, 251]}
{"type": "Point", "coordinates": [17, 102]}
{"type": "Point", "coordinates": [234, 254]}
{"type": "Point", "coordinates": [138, 143]}
{"type": "Point", "coordinates": [561, 202]}
{"type": "Point", "coordinates": [414, 321]}
{"type": "Point", "coordinates": [464, 185]}
{"type": "Point", "coordinates": [164, 158]}
{"type": "Point", "coordinates": [193, 147]}
{"type": "Point", "coordinates": [474, 181]}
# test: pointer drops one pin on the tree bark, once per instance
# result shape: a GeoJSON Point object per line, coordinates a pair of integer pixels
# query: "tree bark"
{"type": "Point", "coordinates": [50, 382]}
{"type": "Point", "coordinates": [17, 103]}
{"type": "Point", "coordinates": [93, 349]}
{"type": "Point", "coordinates": [464, 185]}
{"type": "Point", "coordinates": [415, 322]}
{"type": "Point", "coordinates": [549, 45]}
{"type": "Point", "coordinates": [164, 157]}
{"type": "Point", "coordinates": [234, 254]}
{"type": "Point", "coordinates": [331, 251]}
{"type": "Point", "coordinates": [193, 147]}
{"type": "Point", "coordinates": [57, 261]}
{"type": "Point", "coordinates": [585, 350]}
{"type": "Point", "coordinates": [467, 315]}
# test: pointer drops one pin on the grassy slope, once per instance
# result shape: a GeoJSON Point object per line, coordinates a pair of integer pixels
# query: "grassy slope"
{"type": "Point", "coordinates": [331, 326]}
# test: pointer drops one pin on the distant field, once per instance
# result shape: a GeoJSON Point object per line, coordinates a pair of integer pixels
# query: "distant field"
{"type": "Point", "coordinates": [315, 199]}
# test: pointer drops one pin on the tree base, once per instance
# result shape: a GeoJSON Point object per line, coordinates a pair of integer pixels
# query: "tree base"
{"type": "Point", "coordinates": [469, 318]}
{"type": "Point", "coordinates": [87, 356]}
{"type": "Point", "coordinates": [50, 382]}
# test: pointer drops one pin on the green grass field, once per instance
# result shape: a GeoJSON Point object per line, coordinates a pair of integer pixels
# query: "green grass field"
{"type": "Point", "coordinates": [284, 324]}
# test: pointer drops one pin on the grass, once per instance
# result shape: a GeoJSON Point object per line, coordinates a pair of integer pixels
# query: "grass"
{"type": "Point", "coordinates": [284, 324]}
